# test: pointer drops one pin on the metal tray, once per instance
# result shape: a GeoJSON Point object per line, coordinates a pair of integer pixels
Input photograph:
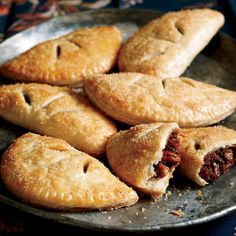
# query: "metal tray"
{"type": "Point", "coordinates": [216, 65]}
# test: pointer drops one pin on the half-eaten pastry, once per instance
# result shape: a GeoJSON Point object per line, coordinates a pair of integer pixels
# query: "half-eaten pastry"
{"type": "Point", "coordinates": [167, 45]}
{"type": "Point", "coordinates": [206, 153]}
{"type": "Point", "coordinates": [48, 172]}
{"type": "Point", "coordinates": [135, 98]}
{"type": "Point", "coordinates": [145, 156]}
{"type": "Point", "coordinates": [58, 112]}
{"type": "Point", "coordinates": [66, 60]}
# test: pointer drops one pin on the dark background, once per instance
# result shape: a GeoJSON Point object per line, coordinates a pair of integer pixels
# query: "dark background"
{"type": "Point", "coordinates": [18, 15]}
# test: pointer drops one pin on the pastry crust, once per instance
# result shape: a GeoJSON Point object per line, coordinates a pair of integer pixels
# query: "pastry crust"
{"type": "Point", "coordinates": [59, 112]}
{"type": "Point", "coordinates": [133, 153]}
{"type": "Point", "coordinates": [196, 143]}
{"type": "Point", "coordinates": [166, 46]}
{"type": "Point", "coordinates": [48, 172]}
{"type": "Point", "coordinates": [66, 60]}
{"type": "Point", "coordinates": [135, 98]}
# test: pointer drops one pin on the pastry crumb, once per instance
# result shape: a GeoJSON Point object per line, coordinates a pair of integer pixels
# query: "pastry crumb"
{"type": "Point", "coordinates": [136, 213]}
{"type": "Point", "coordinates": [169, 193]}
{"type": "Point", "coordinates": [178, 213]}
{"type": "Point", "coordinates": [231, 184]}
{"type": "Point", "coordinates": [109, 217]}
{"type": "Point", "coordinates": [180, 194]}
{"type": "Point", "coordinates": [143, 209]}
{"type": "Point", "coordinates": [145, 217]}
{"type": "Point", "coordinates": [199, 193]}
{"type": "Point", "coordinates": [130, 222]}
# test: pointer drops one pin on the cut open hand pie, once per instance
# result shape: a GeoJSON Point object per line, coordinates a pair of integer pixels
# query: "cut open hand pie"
{"type": "Point", "coordinates": [135, 98]}
{"type": "Point", "coordinates": [206, 153]}
{"type": "Point", "coordinates": [59, 112]}
{"type": "Point", "coordinates": [66, 60]}
{"type": "Point", "coordinates": [48, 172]}
{"type": "Point", "coordinates": [166, 46]}
{"type": "Point", "coordinates": [145, 156]}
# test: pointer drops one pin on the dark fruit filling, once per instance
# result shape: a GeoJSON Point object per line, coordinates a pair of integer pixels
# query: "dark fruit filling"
{"type": "Point", "coordinates": [170, 158]}
{"type": "Point", "coordinates": [217, 163]}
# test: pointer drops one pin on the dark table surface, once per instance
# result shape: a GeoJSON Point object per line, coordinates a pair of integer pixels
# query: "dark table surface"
{"type": "Point", "coordinates": [18, 15]}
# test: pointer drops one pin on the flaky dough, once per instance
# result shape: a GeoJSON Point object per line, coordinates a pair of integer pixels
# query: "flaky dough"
{"type": "Point", "coordinates": [196, 143]}
{"type": "Point", "coordinates": [133, 153]}
{"type": "Point", "coordinates": [166, 46]}
{"type": "Point", "coordinates": [48, 172]}
{"type": "Point", "coordinates": [66, 60]}
{"type": "Point", "coordinates": [135, 98]}
{"type": "Point", "coordinates": [59, 112]}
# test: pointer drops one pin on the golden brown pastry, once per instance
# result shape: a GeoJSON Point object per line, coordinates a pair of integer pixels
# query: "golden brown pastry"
{"type": "Point", "coordinates": [48, 172]}
{"type": "Point", "coordinates": [66, 60]}
{"type": "Point", "coordinates": [166, 46]}
{"type": "Point", "coordinates": [59, 112]}
{"type": "Point", "coordinates": [145, 156]}
{"type": "Point", "coordinates": [135, 98]}
{"type": "Point", "coordinates": [206, 153]}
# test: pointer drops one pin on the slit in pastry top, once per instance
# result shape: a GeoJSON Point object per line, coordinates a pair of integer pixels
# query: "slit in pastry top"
{"type": "Point", "coordinates": [135, 98]}
{"type": "Point", "coordinates": [58, 112]}
{"type": "Point", "coordinates": [48, 172]}
{"type": "Point", "coordinates": [145, 156]}
{"type": "Point", "coordinates": [166, 46]}
{"type": "Point", "coordinates": [206, 153]}
{"type": "Point", "coordinates": [68, 59]}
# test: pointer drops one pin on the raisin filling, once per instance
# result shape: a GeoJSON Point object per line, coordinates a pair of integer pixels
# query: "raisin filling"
{"type": "Point", "coordinates": [217, 163]}
{"type": "Point", "coordinates": [170, 158]}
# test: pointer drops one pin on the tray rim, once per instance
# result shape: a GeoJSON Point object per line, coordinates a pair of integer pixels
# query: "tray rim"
{"type": "Point", "coordinates": [93, 226]}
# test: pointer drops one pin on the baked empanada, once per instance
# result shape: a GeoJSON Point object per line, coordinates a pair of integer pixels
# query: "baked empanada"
{"type": "Point", "coordinates": [135, 98]}
{"type": "Point", "coordinates": [59, 112]}
{"type": "Point", "coordinates": [166, 46]}
{"type": "Point", "coordinates": [145, 156]}
{"type": "Point", "coordinates": [206, 153]}
{"type": "Point", "coordinates": [48, 172]}
{"type": "Point", "coordinates": [66, 60]}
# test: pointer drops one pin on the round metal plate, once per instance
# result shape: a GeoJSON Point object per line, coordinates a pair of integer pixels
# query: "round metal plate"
{"type": "Point", "coordinates": [216, 65]}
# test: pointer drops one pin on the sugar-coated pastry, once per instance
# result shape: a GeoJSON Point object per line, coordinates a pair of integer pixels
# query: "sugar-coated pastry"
{"type": "Point", "coordinates": [167, 45]}
{"type": "Point", "coordinates": [48, 172]}
{"type": "Point", "coordinates": [66, 60]}
{"type": "Point", "coordinates": [59, 112]}
{"type": "Point", "coordinates": [135, 98]}
{"type": "Point", "coordinates": [206, 153]}
{"type": "Point", "coordinates": [145, 156]}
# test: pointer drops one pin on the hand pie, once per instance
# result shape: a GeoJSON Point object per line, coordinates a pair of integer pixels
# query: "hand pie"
{"type": "Point", "coordinates": [145, 156]}
{"type": "Point", "coordinates": [59, 112]}
{"type": "Point", "coordinates": [48, 172]}
{"type": "Point", "coordinates": [66, 60]}
{"type": "Point", "coordinates": [135, 98]}
{"type": "Point", "coordinates": [166, 46]}
{"type": "Point", "coordinates": [206, 153]}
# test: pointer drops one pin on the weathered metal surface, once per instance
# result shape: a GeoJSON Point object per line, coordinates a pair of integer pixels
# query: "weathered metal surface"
{"type": "Point", "coordinates": [216, 65]}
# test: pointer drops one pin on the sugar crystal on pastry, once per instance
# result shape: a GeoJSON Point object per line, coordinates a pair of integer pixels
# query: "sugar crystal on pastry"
{"type": "Point", "coordinates": [59, 112]}
{"type": "Point", "coordinates": [66, 60]}
{"type": "Point", "coordinates": [206, 153]}
{"type": "Point", "coordinates": [135, 98]}
{"type": "Point", "coordinates": [48, 172]}
{"type": "Point", "coordinates": [145, 156]}
{"type": "Point", "coordinates": [166, 46]}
